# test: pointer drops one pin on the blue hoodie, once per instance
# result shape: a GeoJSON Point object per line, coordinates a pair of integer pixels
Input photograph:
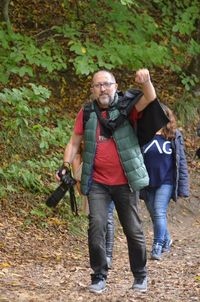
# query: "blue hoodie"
{"type": "Point", "coordinates": [166, 164]}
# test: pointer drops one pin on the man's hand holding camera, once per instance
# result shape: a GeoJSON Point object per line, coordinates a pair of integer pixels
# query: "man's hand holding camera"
{"type": "Point", "coordinates": [64, 174]}
{"type": "Point", "coordinates": [67, 182]}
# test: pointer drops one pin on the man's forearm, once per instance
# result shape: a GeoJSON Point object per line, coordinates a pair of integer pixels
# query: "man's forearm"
{"type": "Point", "coordinates": [72, 149]}
{"type": "Point", "coordinates": [69, 154]}
{"type": "Point", "coordinates": [143, 78]}
{"type": "Point", "coordinates": [148, 97]}
{"type": "Point", "coordinates": [149, 91]}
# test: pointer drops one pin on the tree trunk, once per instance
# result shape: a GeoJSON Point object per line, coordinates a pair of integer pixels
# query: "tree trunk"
{"type": "Point", "coordinates": [4, 14]}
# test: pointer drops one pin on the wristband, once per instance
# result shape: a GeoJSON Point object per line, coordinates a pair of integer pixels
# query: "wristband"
{"type": "Point", "coordinates": [66, 164]}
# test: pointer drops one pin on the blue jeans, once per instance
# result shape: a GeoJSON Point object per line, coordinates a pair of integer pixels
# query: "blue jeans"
{"type": "Point", "coordinates": [100, 197]}
{"type": "Point", "coordinates": [157, 201]}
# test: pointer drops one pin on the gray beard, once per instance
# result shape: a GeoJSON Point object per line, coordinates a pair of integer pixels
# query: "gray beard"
{"type": "Point", "coordinates": [106, 104]}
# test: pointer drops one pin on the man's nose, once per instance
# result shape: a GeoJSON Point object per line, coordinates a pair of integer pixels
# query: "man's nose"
{"type": "Point", "coordinates": [102, 88]}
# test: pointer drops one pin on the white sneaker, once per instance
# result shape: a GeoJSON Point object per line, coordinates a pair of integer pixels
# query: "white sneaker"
{"type": "Point", "coordinates": [97, 286]}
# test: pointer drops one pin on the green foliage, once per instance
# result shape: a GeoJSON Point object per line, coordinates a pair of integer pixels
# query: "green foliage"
{"type": "Point", "coordinates": [185, 22]}
{"type": "Point", "coordinates": [108, 34]}
{"type": "Point", "coordinates": [189, 81]}
{"type": "Point", "coordinates": [5, 189]}
{"type": "Point", "coordinates": [38, 215]}
{"type": "Point", "coordinates": [179, 25]}
{"type": "Point", "coordinates": [21, 176]}
{"type": "Point", "coordinates": [186, 109]}
{"type": "Point", "coordinates": [77, 225]}
{"type": "Point", "coordinates": [127, 2]}
{"type": "Point", "coordinates": [20, 99]}
{"type": "Point", "coordinates": [43, 217]}
{"type": "Point", "coordinates": [29, 139]}
{"type": "Point", "coordinates": [21, 110]}
{"type": "Point", "coordinates": [130, 37]}
{"type": "Point", "coordinates": [20, 54]}
{"type": "Point", "coordinates": [128, 41]}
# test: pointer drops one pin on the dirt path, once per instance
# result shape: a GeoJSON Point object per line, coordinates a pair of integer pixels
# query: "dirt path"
{"type": "Point", "coordinates": [40, 265]}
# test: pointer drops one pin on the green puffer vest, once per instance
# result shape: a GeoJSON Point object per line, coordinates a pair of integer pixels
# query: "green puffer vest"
{"type": "Point", "coordinates": [128, 149]}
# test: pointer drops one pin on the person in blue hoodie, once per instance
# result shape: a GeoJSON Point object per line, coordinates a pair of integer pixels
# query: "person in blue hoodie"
{"type": "Point", "coordinates": [165, 160]}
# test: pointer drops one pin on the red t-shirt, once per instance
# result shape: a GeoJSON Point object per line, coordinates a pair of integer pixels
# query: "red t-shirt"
{"type": "Point", "coordinates": [107, 165]}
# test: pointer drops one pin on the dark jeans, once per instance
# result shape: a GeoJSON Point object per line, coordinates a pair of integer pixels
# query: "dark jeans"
{"type": "Point", "coordinates": [100, 196]}
{"type": "Point", "coordinates": [110, 233]}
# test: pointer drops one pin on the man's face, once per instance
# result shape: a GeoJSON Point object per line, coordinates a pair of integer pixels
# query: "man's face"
{"type": "Point", "coordinates": [103, 88]}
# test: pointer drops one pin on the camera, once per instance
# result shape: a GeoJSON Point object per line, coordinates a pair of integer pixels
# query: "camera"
{"type": "Point", "coordinates": [67, 182]}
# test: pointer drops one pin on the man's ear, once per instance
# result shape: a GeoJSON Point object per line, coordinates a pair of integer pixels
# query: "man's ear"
{"type": "Point", "coordinates": [91, 98]}
{"type": "Point", "coordinates": [92, 92]}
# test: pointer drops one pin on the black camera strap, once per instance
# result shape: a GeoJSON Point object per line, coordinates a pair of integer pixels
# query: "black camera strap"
{"type": "Point", "coordinates": [67, 184]}
{"type": "Point", "coordinates": [73, 204]}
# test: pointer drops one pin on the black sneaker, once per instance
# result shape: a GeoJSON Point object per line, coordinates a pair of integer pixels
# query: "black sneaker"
{"type": "Point", "coordinates": [140, 284]}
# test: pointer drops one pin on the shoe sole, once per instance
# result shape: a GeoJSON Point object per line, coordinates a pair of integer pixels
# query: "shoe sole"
{"type": "Point", "coordinates": [140, 290]}
{"type": "Point", "coordinates": [155, 258]}
{"type": "Point", "coordinates": [97, 292]}
{"type": "Point", "coordinates": [167, 250]}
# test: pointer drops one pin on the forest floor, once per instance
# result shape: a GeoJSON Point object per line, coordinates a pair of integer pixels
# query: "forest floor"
{"type": "Point", "coordinates": [49, 264]}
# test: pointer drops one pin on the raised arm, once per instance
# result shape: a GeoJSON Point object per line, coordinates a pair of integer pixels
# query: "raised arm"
{"type": "Point", "coordinates": [143, 77]}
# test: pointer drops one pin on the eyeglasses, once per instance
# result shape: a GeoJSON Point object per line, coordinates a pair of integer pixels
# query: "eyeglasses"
{"type": "Point", "coordinates": [105, 85]}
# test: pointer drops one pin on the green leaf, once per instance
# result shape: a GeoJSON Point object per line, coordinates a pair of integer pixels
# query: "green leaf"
{"type": "Point", "coordinates": [38, 213]}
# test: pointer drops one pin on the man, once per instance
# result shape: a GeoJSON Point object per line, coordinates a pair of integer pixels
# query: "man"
{"type": "Point", "coordinates": [113, 169]}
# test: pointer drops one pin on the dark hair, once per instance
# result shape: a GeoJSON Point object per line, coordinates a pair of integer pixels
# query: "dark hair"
{"type": "Point", "coordinates": [169, 131]}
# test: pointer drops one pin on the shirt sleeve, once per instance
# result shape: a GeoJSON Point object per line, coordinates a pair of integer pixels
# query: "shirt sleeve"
{"type": "Point", "coordinates": [134, 115]}
{"type": "Point", "coordinates": [78, 126]}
